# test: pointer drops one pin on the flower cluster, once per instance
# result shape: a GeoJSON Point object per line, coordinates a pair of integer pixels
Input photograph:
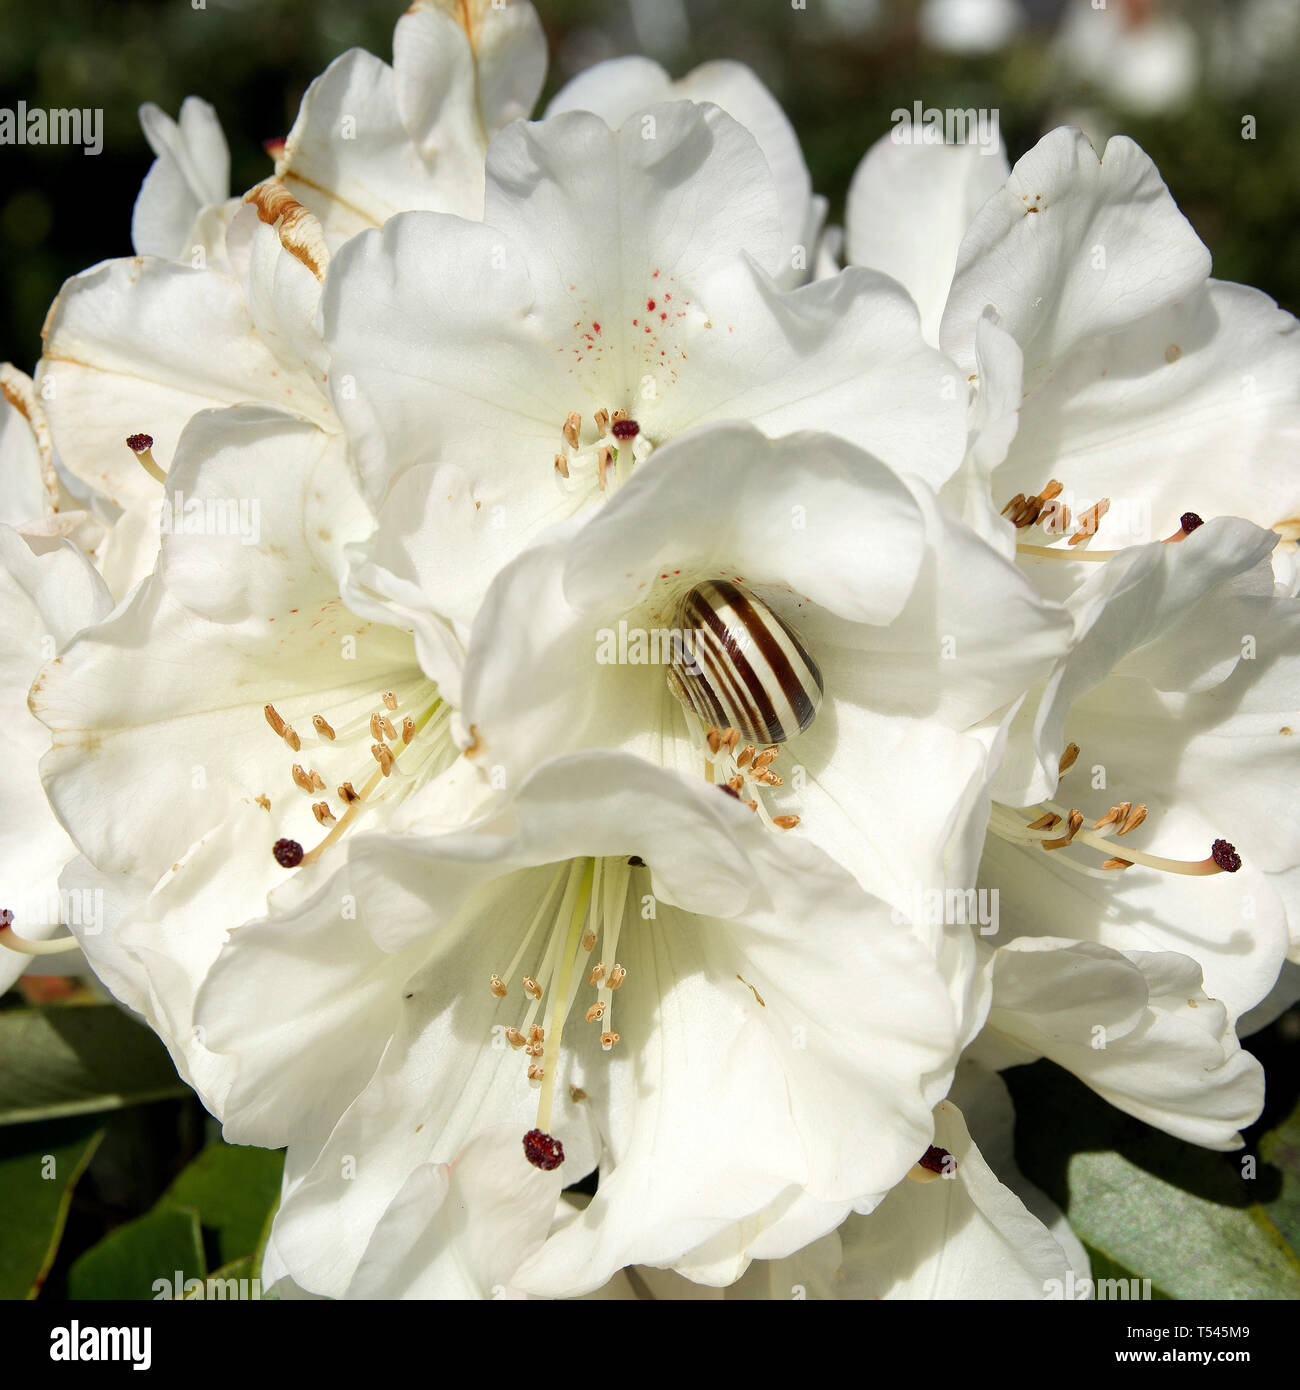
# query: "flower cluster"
{"type": "Point", "coordinates": [975, 528]}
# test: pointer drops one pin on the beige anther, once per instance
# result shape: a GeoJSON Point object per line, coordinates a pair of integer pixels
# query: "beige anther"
{"type": "Point", "coordinates": [618, 415]}
{"type": "Point", "coordinates": [1135, 818]}
{"type": "Point", "coordinates": [561, 466]}
{"type": "Point", "coordinates": [1089, 521]}
{"type": "Point", "coordinates": [1114, 816]}
{"type": "Point", "coordinates": [321, 810]}
{"type": "Point", "coordinates": [531, 988]}
{"type": "Point", "coordinates": [607, 1040]}
{"type": "Point", "coordinates": [498, 986]}
{"type": "Point", "coordinates": [766, 758]}
{"type": "Point", "coordinates": [572, 426]}
{"type": "Point", "coordinates": [596, 1013]}
{"type": "Point", "coordinates": [390, 733]}
{"type": "Point", "coordinates": [515, 1038]}
{"type": "Point", "coordinates": [322, 726]}
{"type": "Point", "coordinates": [383, 755]}
{"type": "Point", "coordinates": [597, 975]}
{"type": "Point", "coordinates": [616, 977]}
{"type": "Point", "coordinates": [730, 737]}
{"type": "Point", "coordinates": [274, 720]}
{"type": "Point", "coordinates": [1068, 759]}
{"type": "Point", "coordinates": [588, 940]}
{"type": "Point", "coordinates": [1118, 863]}
{"type": "Point", "coordinates": [534, 1050]}
{"type": "Point", "coordinates": [536, 1033]}
{"type": "Point", "coordinates": [1073, 825]}
{"type": "Point", "coordinates": [1048, 821]}
{"type": "Point", "coordinates": [736, 782]}
{"type": "Point", "coordinates": [1014, 505]}
{"type": "Point", "coordinates": [292, 739]}
{"type": "Point", "coordinates": [376, 728]}
{"type": "Point", "coordinates": [317, 781]}
{"type": "Point", "coordinates": [746, 753]}
{"type": "Point", "coordinates": [604, 457]}
{"type": "Point", "coordinates": [408, 729]}
{"type": "Point", "coordinates": [714, 740]}
{"type": "Point", "coordinates": [390, 700]}
{"type": "Point", "coordinates": [601, 418]}
{"type": "Point", "coordinates": [785, 822]}
{"type": "Point", "coordinates": [299, 774]}
{"type": "Point", "coordinates": [535, 1073]}
{"type": "Point", "coordinates": [348, 793]}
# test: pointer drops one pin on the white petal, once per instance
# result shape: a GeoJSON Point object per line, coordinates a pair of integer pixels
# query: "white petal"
{"type": "Point", "coordinates": [909, 206]}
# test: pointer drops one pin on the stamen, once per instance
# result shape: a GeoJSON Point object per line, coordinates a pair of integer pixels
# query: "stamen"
{"type": "Point", "coordinates": [572, 426]}
{"type": "Point", "coordinates": [322, 727]}
{"type": "Point", "coordinates": [498, 987]}
{"type": "Point", "coordinates": [25, 947]}
{"type": "Point", "coordinates": [390, 700]}
{"type": "Point", "coordinates": [274, 720]}
{"type": "Point", "coordinates": [141, 445]}
{"type": "Point", "coordinates": [1067, 759]}
{"type": "Point", "coordinates": [616, 977]}
{"type": "Point", "coordinates": [292, 739]}
{"type": "Point", "coordinates": [321, 810]}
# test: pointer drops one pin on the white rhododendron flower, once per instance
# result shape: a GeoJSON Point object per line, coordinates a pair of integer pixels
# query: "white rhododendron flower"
{"type": "Point", "coordinates": [266, 713]}
{"type": "Point", "coordinates": [1154, 395]}
{"type": "Point", "coordinates": [617, 293]}
{"type": "Point", "coordinates": [623, 944]}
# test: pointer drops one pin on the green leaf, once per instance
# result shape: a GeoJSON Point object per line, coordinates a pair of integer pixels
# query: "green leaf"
{"type": "Point", "coordinates": [234, 1189]}
{"type": "Point", "coordinates": [1189, 1219]}
{"type": "Point", "coordinates": [1280, 1148]}
{"type": "Point", "coordinates": [79, 1059]}
{"type": "Point", "coordinates": [131, 1261]}
{"type": "Point", "coordinates": [39, 1168]}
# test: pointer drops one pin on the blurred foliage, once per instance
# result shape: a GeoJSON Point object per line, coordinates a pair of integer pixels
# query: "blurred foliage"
{"type": "Point", "coordinates": [838, 71]}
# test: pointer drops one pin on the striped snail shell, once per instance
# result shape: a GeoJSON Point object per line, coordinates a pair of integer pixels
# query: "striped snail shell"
{"type": "Point", "coordinates": [750, 669]}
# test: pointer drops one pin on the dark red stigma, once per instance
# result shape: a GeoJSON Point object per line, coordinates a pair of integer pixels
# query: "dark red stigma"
{"type": "Point", "coordinates": [636, 862]}
{"type": "Point", "coordinates": [1189, 521]}
{"type": "Point", "coordinates": [730, 791]}
{"type": "Point", "coordinates": [625, 429]}
{"type": "Point", "coordinates": [138, 443]}
{"type": "Point", "coordinates": [1225, 856]}
{"type": "Point", "coordinates": [288, 853]}
{"type": "Point", "coordinates": [934, 1160]}
{"type": "Point", "coordinates": [6, 917]}
{"type": "Point", "coordinates": [542, 1151]}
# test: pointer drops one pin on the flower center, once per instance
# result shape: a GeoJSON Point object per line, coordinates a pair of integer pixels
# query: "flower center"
{"type": "Point", "coordinates": [1048, 826]}
{"type": "Point", "coordinates": [591, 456]}
{"type": "Point", "coordinates": [1046, 511]}
{"type": "Point", "coordinates": [583, 906]}
{"type": "Point", "coordinates": [409, 742]}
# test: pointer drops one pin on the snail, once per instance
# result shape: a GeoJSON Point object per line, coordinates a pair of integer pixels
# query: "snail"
{"type": "Point", "coordinates": [746, 668]}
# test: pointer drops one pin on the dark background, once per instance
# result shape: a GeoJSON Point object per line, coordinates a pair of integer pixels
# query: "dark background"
{"type": "Point", "coordinates": [61, 210]}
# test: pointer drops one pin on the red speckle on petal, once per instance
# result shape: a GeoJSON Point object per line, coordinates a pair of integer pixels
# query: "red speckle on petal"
{"type": "Point", "coordinates": [650, 304]}
{"type": "Point", "coordinates": [655, 274]}
{"type": "Point", "coordinates": [596, 326]}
